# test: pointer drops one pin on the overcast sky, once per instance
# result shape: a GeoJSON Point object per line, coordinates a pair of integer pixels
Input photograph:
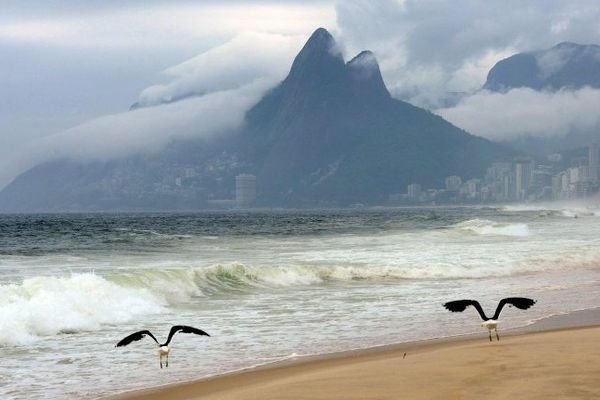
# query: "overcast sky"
{"type": "Point", "coordinates": [70, 70]}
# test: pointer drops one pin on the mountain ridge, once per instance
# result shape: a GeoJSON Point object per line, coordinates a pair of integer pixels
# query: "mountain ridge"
{"type": "Point", "coordinates": [565, 65]}
{"type": "Point", "coordinates": [329, 134]}
{"type": "Point", "coordinates": [373, 122]}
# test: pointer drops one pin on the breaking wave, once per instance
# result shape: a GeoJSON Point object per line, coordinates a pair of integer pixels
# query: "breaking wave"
{"type": "Point", "coordinates": [50, 305]}
{"type": "Point", "coordinates": [565, 210]}
{"type": "Point", "coordinates": [487, 227]}
{"type": "Point", "coordinates": [45, 306]}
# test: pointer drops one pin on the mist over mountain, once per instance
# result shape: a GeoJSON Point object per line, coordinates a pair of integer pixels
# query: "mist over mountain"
{"type": "Point", "coordinates": [329, 134]}
{"type": "Point", "coordinates": [538, 102]}
{"type": "Point", "coordinates": [566, 65]}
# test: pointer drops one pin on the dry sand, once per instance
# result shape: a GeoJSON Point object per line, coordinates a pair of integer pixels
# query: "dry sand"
{"type": "Point", "coordinates": [559, 364]}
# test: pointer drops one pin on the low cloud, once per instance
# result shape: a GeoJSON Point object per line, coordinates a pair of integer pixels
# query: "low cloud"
{"type": "Point", "coordinates": [248, 56]}
{"type": "Point", "coordinates": [143, 130]}
{"type": "Point", "coordinates": [65, 62]}
{"type": "Point", "coordinates": [131, 25]}
{"type": "Point", "coordinates": [553, 60]}
{"type": "Point", "coordinates": [526, 112]}
{"type": "Point", "coordinates": [213, 92]}
{"type": "Point", "coordinates": [428, 48]}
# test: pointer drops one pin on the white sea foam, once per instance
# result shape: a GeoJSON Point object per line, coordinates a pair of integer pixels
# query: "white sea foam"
{"type": "Point", "coordinates": [526, 207]}
{"type": "Point", "coordinates": [568, 210]}
{"type": "Point", "coordinates": [487, 227]}
{"type": "Point", "coordinates": [49, 305]}
{"type": "Point", "coordinates": [179, 285]}
{"type": "Point", "coordinates": [44, 306]}
{"type": "Point", "coordinates": [169, 285]}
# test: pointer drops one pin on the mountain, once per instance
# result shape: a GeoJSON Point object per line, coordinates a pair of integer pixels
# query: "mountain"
{"type": "Point", "coordinates": [566, 65]}
{"type": "Point", "coordinates": [330, 134]}
{"type": "Point", "coordinates": [563, 67]}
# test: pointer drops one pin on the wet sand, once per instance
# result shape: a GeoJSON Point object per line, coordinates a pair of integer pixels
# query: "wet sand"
{"type": "Point", "coordinates": [556, 363]}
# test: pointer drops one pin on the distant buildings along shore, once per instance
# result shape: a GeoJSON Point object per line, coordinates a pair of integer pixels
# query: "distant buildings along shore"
{"type": "Point", "coordinates": [520, 180]}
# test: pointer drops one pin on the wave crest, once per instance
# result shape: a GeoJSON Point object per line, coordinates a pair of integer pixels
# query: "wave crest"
{"type": "Point", "coordinates": [555, 210]}
{"type": "Point", "coordinates": [487, 227]}
{"type": "Point", "coordinates": [45, 306]}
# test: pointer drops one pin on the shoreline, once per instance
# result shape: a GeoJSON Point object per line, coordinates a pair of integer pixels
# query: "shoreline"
{"type": "Point", "coordinates": [230, 383]}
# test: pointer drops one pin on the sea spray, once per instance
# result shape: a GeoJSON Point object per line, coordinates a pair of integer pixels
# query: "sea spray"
{"type": "Point", "coordinates": [568, 210]}
{"type": "Point", "coordinates": [44, 306]}
{"type": "Point", "coordinates": [49, 305]}
{"type": "Point", "coordinates": [487, 227]}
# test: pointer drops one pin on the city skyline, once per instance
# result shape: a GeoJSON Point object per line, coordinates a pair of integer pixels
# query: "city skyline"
{"type": "Point", "coordinates": [525, 179]}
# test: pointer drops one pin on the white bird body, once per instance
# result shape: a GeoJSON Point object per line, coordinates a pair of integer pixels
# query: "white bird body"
{"type": "Point", "coordinates": [163, 351]}
{"type": "Point", "coordinates": [491, 324]}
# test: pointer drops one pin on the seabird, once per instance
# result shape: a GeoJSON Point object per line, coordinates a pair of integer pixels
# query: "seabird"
{"type": "Point", "coordinates": [490, 323]}
{"type": "Point", "coordinates": [163, 348]}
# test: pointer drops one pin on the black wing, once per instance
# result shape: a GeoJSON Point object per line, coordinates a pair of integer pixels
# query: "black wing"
{"type": "Point", "coordinates": [184, 329]}
{"type": "Point", "coordinates": [135, 337]}
{"type": "Point", "coordinates": [520, 302]}
{"type": "Point", "coordinates": [461, 305]}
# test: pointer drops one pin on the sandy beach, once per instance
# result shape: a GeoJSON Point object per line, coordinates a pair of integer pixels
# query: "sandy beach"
{"type": "Point", "coordinates": [554, 364]}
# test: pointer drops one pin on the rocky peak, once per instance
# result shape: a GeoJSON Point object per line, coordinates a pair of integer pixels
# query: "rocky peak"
{"type": "Point", "coordinates": [319, 60]}
{"type": "Point", "coordinates": [365, 73]}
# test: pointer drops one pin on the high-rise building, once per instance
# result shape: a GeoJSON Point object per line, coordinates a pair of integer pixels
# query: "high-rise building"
{"type": "Point", "coordinates": [556, 157]}
{"type": "Point", "coordinates": [523, 177]}
{"type": "Point", "coordinates": [245, 190]}
{"type": "Point", "coordinates": [593, 162]}
{"type": "Point", "coordinates": [508, 187]}
{"type": "Point", "coordinates": [499, 177]}
{"type": "Point", "coordinates": [414, 192]}
{"type": "Point", "coordinates": [189, 172]}
{"type": "Point", "coordinates": [575, 175]}
{"type": "Point", "coordinates": [473, 187]}
{"type": "Point", "coordinates": [542, 180]}
{"type": "Point", "coordinates": [453, 183]}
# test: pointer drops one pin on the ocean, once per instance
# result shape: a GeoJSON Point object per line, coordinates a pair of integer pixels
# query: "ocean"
{"type": "Point", "coordinates": [268, 286]}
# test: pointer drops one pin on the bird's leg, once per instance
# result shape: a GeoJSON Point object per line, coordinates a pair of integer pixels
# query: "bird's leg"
{"type": "Point", "coordinates": [167, 364]}
{"type": "Point", "coordinates": [497, 337]}
{"type": "Point", "coordinates": [490, 332]}
{"type": "Point", "coordinates": [160, 360]}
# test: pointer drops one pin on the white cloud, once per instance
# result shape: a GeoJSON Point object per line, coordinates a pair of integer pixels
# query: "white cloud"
{"type": "Point", "coordinates": [242, 42]}
{"type": "Point", "coordinates": [156, 25]}
{"type": "Point", "coordinates": [427, 48]}
{"type": "Point", "coordinates": [143, 130]}
{"type": "Point", "coordinates": [470, 75]}
{"type": "Point", "coordinates": [526, 112]}
{"type": "Point", "coordinates": [250, 45]}
{"type": "Point", "coordinates": [32, 31]}
{"type": "Point", "coordinates": [248, 56]}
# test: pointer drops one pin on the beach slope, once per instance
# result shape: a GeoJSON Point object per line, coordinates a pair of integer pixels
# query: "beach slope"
{"type": "Point", "coordinates": [560, 364]}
